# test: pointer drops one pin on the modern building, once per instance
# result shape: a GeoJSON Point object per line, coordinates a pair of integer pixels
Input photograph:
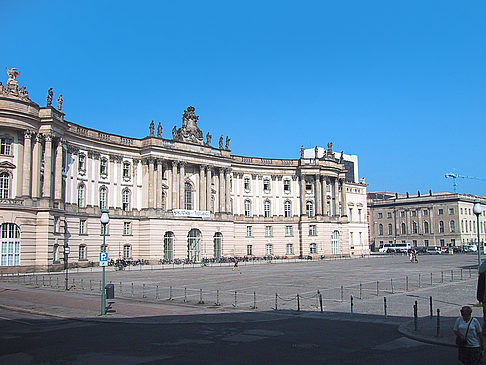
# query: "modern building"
{"type": "Point", "coordinates": [178, 197]}
{"type": "Point", "coordinates": [424, 220]}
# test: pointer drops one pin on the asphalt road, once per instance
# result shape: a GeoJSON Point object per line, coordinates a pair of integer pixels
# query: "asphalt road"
{"type": "Point", "coordinates": [289, 339]}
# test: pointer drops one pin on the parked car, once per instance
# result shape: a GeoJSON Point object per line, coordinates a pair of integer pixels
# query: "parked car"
{"type": "Point", "coordinates": [434, 251]}
{"type": "Point", "coordinates": [471, 248]}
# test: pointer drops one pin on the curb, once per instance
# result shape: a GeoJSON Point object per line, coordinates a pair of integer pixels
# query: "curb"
{"type": "Point", "coordinates": [402, 329]}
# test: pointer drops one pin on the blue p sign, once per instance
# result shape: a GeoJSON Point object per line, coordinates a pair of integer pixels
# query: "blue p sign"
{"type": "Point", "coordinates": [103, 256]}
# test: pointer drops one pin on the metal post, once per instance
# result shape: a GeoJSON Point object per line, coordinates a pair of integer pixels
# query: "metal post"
{"type": "Point", "coordinates": [419, 281]}
{"type": "Point", "coordinates": [406, 283]}
{"type": "Point", "coordinates": [170, 292]}
{"type": "Point", "coordinates": [442, 277]}
{"type": "Point", "coordinates": [254, 301]}
{"type": "Point", "coordinates": [320, 302]}
{"type": "Point", "coordinates": [298, 303]}
{"type": "Point", "coordinates": [143, 290]}
{"type": "Point", "coordinates": [217, 297]}
{"type": "Point", "coordinates": [479, 239]}
{"type": "Point", "coordinates": [360, 291]}
{"type": "Point", "coordinates": [452, 275]}
{"type": "Point", "coordinates": [431, 280]}
{"type": "Point", "coordinates": [384, 306]}
{"type": "Point", "coordinates": [121, 287]}
{"type": "Point", "coordinates": [377, 287]}
{"type": "Point", "coordinates": [469, 273]}
{"type": "Point", "coordinates": [201, 297]}
{"type": "Point", "coordinates": [391, 283]}
{"type": "Point", "coordinates": [185, 295]}
{"type": "Point", "coordinates": [236, 303]}
{"type": "Point", "coordinates": [430, 307]}
{"type": "Point", "coordinates": [461, 274]}
{"type": "Point", "coordinates": [342, 294]}
{"type": "Point", "coordinates": [415, 315]}
{"type": "Point", "coordinates": [438, 322]}
{"type": "Point", "coordinates": [132, 289]}
{"type": "Point", "coordinates": [276, 301]}
{"type": "Point", "coordinates": [90, 285]}
{"type": "Point", "coordinates": [352, 304]}
{"type": "Point", "coordinates": [157, 292]}
{"type": "Point", "coordinates": [103, 293]}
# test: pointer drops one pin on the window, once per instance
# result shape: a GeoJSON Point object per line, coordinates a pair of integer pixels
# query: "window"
{"type": "Point", "coordinates": [288, 231]}
{"type": "Point", "coordinates": [312, 248]}
{"type": "Point", "coordinates": [451, 210]}
{"type": "Point", "coordinates": [82, 227]}
{"type": "Point", "coordinates": [441, 227]}
{"type": "Point", "coordinates": [103, 197]}
{"type": "Point", "coordinates": [312, 230]}
{"type": "Point", "coordinates": [5, 146]}
{"type": "Point", "coordinates": [57, 224]}
{"type": "Point", "coordinates": [360, 238]}
{"type": "Point", "coordinates": [380, 229]}
{"type": "Point", "coordinates": [266, 209]}
{"type": "Point", "coordinates": [426, 213]}
{"type": "Point", "coordinates": [359, 215]}
{"type": "Point", "coordinates": [10, 244]}
{"type": "Point", "coordinates": [453, 242]}
{"type": "Point", "coordinates": [414, 213]}
{"type": "Point", "coordinates": [127, 252]}
{"type": "Point", "coordinates": [308, 186]}
{"type": "Point", "coordinates": [351, 238]}
{"type": "Point", "coordinates": [217, 245]}
{"type": "Point", "coordinates": [81, 195]}
{"type": "Point", "coordinates": [390, 229]}
{"type": "Point", "coordinates": [126, 200]}
{"type": "Point", "coordinates": [414, 242]}
{"type": "Point", "coordinates": [269, 249]}
{"type": "Point", "coordinates": [309, 209]}
{"type": "Point", "coordinates": [247, 208]}
{"type": "Point", "coordinates": [414, 228]}
{"type": "Point", "coordinates": [104, 167]}
{"type": "Point", "coordinates": [126, 170]}
{"type": "Point", "coordinates": [268, 231]}
{"type": "Point", "coordinates": [83, 253]}
{"type": "Point", "coordinates": [350, 214]}
{"type": "Point", "coordinates": [287, 209]}
{"type": "Point", "coordinates": [4, 185]}
{"type": "Point", "coordinates": [335, 245]}
{"type": "Point", "coordinates": [55, 253]}
{"type": "Point", "coordinates": [442, 243]}
{"type": "Point", "coordinates": [168, 246]}
{"type": "Point", "coordinates": [127, 228]}
{"type": "Point", "coordinates": [246, 183]}
{"type": "Point", "coordinates": [290, 249]}
{"type": "Point", "coordinates": [249, 250]}
{"type": "Point", "coordinates": [402, 214]}
{"type": "Point", "coordinates": [388, 215]}
{"type": "Point", "coordinates": [404, 228]}
{"type": "Point", "coordinates": [249, 231]}
{"type": "Point", "coordinates": [461, 210]}
{"type": "Point", "coordinates": [380, 215]}
{"type": "Point", "coordinates": [266, 185]}
{"type": "Point", "coordinates": [452, 226]}
{"type": "Point", "coordinates": [286, 184]}
{"type": "Point", "coordinates": [426, 227]}
{"type": "Point", "coordinates": [188, 196]}
{"type": "Point", "coordinates": [426, 243]}
{"type": "Point", "coordinates": [441, 211]}
{"type": "Point", "coordinates": [81, 163]}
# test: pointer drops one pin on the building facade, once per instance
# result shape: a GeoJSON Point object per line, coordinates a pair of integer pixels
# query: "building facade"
{"type": "Point", "coordinates": [424, 220]}
{"type": "Point", "coordinates": [167, 198]}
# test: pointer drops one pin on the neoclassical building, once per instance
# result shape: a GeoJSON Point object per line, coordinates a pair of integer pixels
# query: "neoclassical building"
{"type": "Point", "coordinates": [178, 197]}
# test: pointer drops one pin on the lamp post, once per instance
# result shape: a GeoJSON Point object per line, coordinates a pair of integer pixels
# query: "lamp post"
{"type": "Point", "coordinates": [104, 219]}
{"type": "Point", "coordinates": [477, 209]}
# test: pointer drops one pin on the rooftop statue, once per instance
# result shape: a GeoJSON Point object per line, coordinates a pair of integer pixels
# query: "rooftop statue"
{"type": "Point", "coordinates": [152, 128]}
{"type": "Point", "coordinates": [302, 152]}
{"type": "Point", "coordinates": [341, 158]}
{"type": "Point", "coordinates": [189, 132]}
{"type": "Point", "coordinates": [12, 87]}
{"type": "Point", "coordinates": [159, 130]}
{"type": "Point", "coordinates": [221, 142]}
{"type": "Point", "coordinates": [227, 143]}
{"type": "Point", "coordinates": [208, 139]}
{"type": "Point", "coordinates": [59, 102]}
{"type": "Point", "coordinates": [49, 97]}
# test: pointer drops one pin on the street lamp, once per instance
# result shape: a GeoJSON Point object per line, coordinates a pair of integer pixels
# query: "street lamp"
{"type": "Point", "coordinates": [104, 219]}
{"type": "Point", "coordinates": [477, 209]}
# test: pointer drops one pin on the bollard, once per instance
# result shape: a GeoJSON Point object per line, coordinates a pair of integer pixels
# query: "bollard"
{"type": "Point", "coordinates": [469, 273]}
{"type": "Point", "coordinates": [384, 306]}
{"type": "Point", "coordinates": [391, 283]}
{"type": "Point", "coordinates": [254, 301]}
{"type": "Point", "coordinates": [57, 281]}
{"type": "Point", "coordinates": [201, 297]}
{"type": "Point", "coordinates": [170, 292]}
{"type": "Point", "coordinates": [320, 302]}
{"type": "Point", "coordinates": [50, 284]}
{"type": "Point", "coordinates": [156, 292]}
{"type": "Point", "coordinates": [298, 303]}
{"type": "Point", "coordinates": [406, 283]}
{"type": "Point", "coordinates": [352, 304]}
{"type": "Point", "coordinates": [185, 296]}
{"type": "Point", "coordinates": [235, 303]}
{"type": "Point", "coordinates": [132, 289]}
{"type": "Point", "coordinates": [461, 274]}
{"type": "Point", "coordinates": [438, 322]}
{"type": "Point", "coordinates": [431, 307]}
{"type": "Point", "coordinates": [121, 287]}
{"type": "Point", "coordinates": [90, 285]}
{"type": "Point", "coordinates": [143, 290]}
{"type": "Point", "coordinates": [377, 287]}
{"type": "Point", "coordinates": [342, 294]}
{"type": "Point", "coordinates": [431, 281]}
{"type": "Point", "coordinates": [36, 283]}
{"type": "Point", "coordinates": [441, 276]}
{"type": "Point", "coordinates": [419, 283]}
{"type": "Point", "coordinates": [415, 314]}
{"type": "Point", "coordinates": [360, 291]}
{"type": "Point", "coordinates": [276, 301]}
{"type": "Point", "coordinates": [452, 275]}
{"type": "Point", "coordinates": [43, 284]}
{"type": "Point", "coordinates": [82, 284]}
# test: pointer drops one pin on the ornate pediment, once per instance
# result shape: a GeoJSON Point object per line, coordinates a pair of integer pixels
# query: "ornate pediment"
{"type": "Point", "coordinates": [189, 132]}
{"type": "Point", "coordinates": [6, 165]}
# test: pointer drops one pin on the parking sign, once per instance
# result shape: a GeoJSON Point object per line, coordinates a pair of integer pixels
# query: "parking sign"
{"type": "Point", "coordinates": [103, 258]}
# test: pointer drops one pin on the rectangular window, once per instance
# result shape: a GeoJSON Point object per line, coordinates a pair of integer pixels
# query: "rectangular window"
{"type": "Point", "coordinates": [290, 249]}
{"type": "Point", "coordinates": [402, 214]}
{"type": "Point", "coordinates": [286, 183]}
{"type": "Point", "coordinates": [442, 243]}
{"type": "Point", "coordinates": [389, 215]}
{"type": "Point", "coordinates": [126, 170]}
{"type": "Point", "coordinates": [103, 167]}
{"type": "Point", "coordinates": [441, 211]}
{"type": "Point", "coordinates": [81, 163]}
{"type": "Point", "coordinates": [359, 215]}
{"type": "Point", "coordinates": [127, 228]}
{"type": "Point", "coordinates": [82, 226]}
{"type": "Point", "coordinates": [453, 242]}
{"type": "Point", "coordinates": [451, 210]}
{"type": "Point", "coordinates": [288, 231]}
{"type": "Point", "coordinates": [360, 238]}
{"type": "Point", "coordinates": [426, 213]}
{"type": "Point", "coordinates": [246, 183]}
{"type": "Point", "coordinates": [127, 252]}
{"type": "Point", "coordinates": [461, 211]}
{"type": "Point", "coordinates": [312, 230]}
{"type": "Point", "coordinates": [82, 253]}
{"type": "Point", "coordinates": [380, 215]}
{"type": "Point", "coordinates": [248, 231]}
{"type": "Point", "coordinates": [312, 248]}
{"type": "Point", "coordinates": [426, 243]}
{"type": "Point", "coordinates": [266, 185]}
{"type": "Point", "coordinates": [308, 186]}
{"type": "Point", "coordinates": [5, 146]}
{"type": "Point", "coordinates": [414, 242]}
{"type": "Point", "coordinates": [351, 238]}
{"type": "Point", "coordinates": [249, 250]}
{"type": "Point", "coordinates": [269, 249]}
{"type": "Point", "coordinates": [350, 214]}
{"type": "Point", "coordinates": [268, 231]}
{"type": "Point", "coordinates": [56, 224]}
{"type": "Point", "coordinates": [414, 213]}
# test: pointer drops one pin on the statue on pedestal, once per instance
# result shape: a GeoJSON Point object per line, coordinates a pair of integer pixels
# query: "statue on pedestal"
{"type": "Point", "coordinates": [152, 128]}
{"type": "Point", "coordinates": [49, 97]}
{"type": "Point", "coordinates": [316, 153]}
{"type": "Point", "coordinates": [59, 102]}
{"type": "Point", "coordinates": [221, 142]}
{"type": "Point", "coordinates": [159, 130]}
{"type": "Point", "coordinates": [12, 83]}
{"type": "Point", "coordinates": [208, 139]}
{"type": "Point", "coordinates": [302, 152]}
{"type": "Point", "coordinates": [341, 158]}
{"type": "Point", "coordinates": [227, 143]}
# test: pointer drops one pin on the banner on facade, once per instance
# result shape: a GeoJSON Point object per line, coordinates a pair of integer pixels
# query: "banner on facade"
{"type": "Point", "coordinates": [191, 213]}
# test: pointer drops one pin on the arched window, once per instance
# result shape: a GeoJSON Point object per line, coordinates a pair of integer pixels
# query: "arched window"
{"type": "Point", "coordinates": [4, 185]}
{"type": "Point", "coordinates": [404, 228]}
{"type": "Point", "coordinates": [194, 245]}
{"type": "Point", "coordinates": [103, 197]}
{"type": "Point", "coordinates": [390, 229]}
{"type": "Point", "coordinates": [309, 209]}
{"type": "Point", "coordinates": [81, 195]}
{"type": "Point", "coordinates": [55, 253]}
{"type": "Point", "coordinates": [426, 227]}
{"type": "Point", "coordinates": [126, 200]}
{"type": "Point", "coordinates": [169, 246]}
{"type": "Point", "coordinates": [335, 245]}
{"type": "Point", "coordinates": [287, 209]}
{"type": "Point", "coordinates": [441, 227]}
{"type": "Point", "coordinates": [453, 226]}
{"type": "Point", "coordinates": [218, 243]}
{"type": "Point", "coordinates": [247, 208]}
{"type": "Point", "coordinates": [188, 196]}
{"type": "Point", "coordinates": [312, 248]}
{"type": "Point", "coordinates": [266, 209]}
{"type": "Point", "coordinates": [414, 228]}
{"type": "Point", "coordinates": [10, 244]}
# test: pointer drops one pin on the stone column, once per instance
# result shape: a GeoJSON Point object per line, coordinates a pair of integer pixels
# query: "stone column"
{"type": "Point", "coordinates": [336, 197]}
{"type": "Point", "coordinates": [151, 183]}
{"type": "Point", "coordinates": [228, 191]}
{"type": "Point", "coordinates": [221, 190]}
{"type": "Point", "coordinates": [318, 196]}
{"type": "Point", "coordinates": [343, 198]}
{"type": "Point", "coordinates": [27, 163]}
{"type": "Point", "coordinates": [36, 164]}
{"type": "Point", "coordinates": [324, 200]}
{"type": "Point", "coordinates": [202, 188]}
{"type": "Point", "coordinates": [58, 171]}
{"type": "Point", "coordinates": [173, 183]}
{"type": "Point", "coordinates": [158, 197]}
{"type": "Point", "coordinates": [46, 193]}
{"type": "Point", "coordinates": [208, 188]}
{"type": "Point", "coordinates": [135, 182]}
{"type": "Point", "coordinates": [302, 194]}
{"type": "Point", "coordinates": [182, 176]}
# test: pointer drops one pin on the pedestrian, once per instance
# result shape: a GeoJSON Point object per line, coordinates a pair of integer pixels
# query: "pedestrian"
{"type": "Point", "coordinates": [481, 297]}
{"type": "Point", "coordinates": [235, 267]}
{"type": "Point", "coordinates": [468, 337]}
{"type": "Point", "coordinates": [414, 254]}
{"type": "Point", "coordinates": [411, 255]}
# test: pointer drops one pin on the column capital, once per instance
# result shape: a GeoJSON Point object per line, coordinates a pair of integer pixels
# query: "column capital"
{"type": "Point", "coordinates": [28, 133]}
{"type": "Point", "coordinates": [135, 161]}
{"type": "Point", "coordinates": [72, 149]}
{"type": "Point", "coordinates": [39, 137]}
{"type": "Point", "coordinates": [173, 163]}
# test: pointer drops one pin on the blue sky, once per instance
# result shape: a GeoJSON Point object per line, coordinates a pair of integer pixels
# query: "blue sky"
{"type": "Point", "coordinates": [402, 84]}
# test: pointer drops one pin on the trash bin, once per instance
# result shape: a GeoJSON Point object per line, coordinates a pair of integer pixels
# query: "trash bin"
{"type": "Point", "coordinates": [110, 291]}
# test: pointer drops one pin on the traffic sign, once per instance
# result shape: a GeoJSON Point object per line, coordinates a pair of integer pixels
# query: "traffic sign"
{"type": "Point", "coordinates": [67, 250]}
{"type": "Point", "coordinates": [103, 256]}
